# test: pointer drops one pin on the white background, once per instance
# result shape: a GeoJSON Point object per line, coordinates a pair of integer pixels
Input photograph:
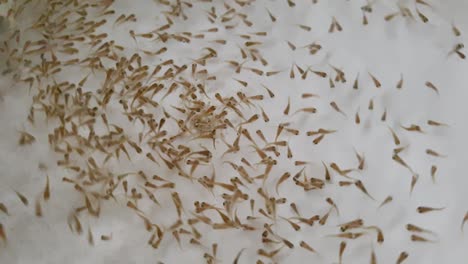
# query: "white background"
{"type": "Point", "coordinates": [386, 49]}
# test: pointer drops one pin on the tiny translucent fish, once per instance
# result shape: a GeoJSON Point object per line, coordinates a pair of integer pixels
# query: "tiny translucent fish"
{"type": "Point", "coordinates": [456, 31]}
{"type": "Point", "coordinates": [288, 106]}
{"type": "Point", "coordinates": [396, 140]}
{"type": "Point", "coordinates": [334, 105]}
{"type": "Point", "coordinates": [308, 95]}
{"type": "Point", "coordinates": [357, 118]}
{"type": "Point", "coordinates": [371, 104]}
{"type": "Point", "coordinates": [426, 209]}
{"type": "Point", "coordinates": [4, 209]}
{"type": "Point", "coordinates": [414, 180]}
{"type": "Point", "coordinates": [272, 17]}
{"type": "Point", "coordinates": [26, 139]}
{"type": "Point", "coordinates": [373, 257]}
{"type": "Point", "coordinates": [364, 19]}
{"type": "Point", "coordinates": [236, 260]}
{"type": "Point", "coordinates": [417, 229]}
{"type": "Point", "coordinates": [391, 16]}
{"type": "Point", "coordinates": [433, 153]}
{"type": "Point", "coordinates": [356, 83]}
{"type": "Point", "coordinates": [270, 93]}
{"type": "Point", "coordinates": [106, 237]}
{"type": "Point", "coordinates": [413, 128]}
{"type": "Point", "coordinates": [341, 251]}
{"type": "Point", "coordinates": [47, 190]}
{"type": "Point", "coordinates": [399, 85]}
{"type": "Point", "coordinates": [306, 246]}
{"type": "Point", "coordinates": [304, 27]}
{"type": "Point", "coordinates": [351, 224]}
{"type": "Point", "coordinates": [3, 235]}
{"type": "Point", "coordinates": [90, 237]}
{"type": "Point", "coordinates": [402, 257]}
{"type": "Point", "coordinates": [417, 238]}
{"type": "Point", "coordinates": [422, 16]}
{"type": "Point", "coordinates": [435, 123]}
{"type": "Point", "coordinates": [387, 200]}
{"type": "Point", "coordinates": [384, 116]}
{"type": "Point", "coordinates": [432, 86]}
{"type": "Point", "coordinates": [38, 208]}
{"type": "Point", "coordinates": [361, 187]}
{"type": "Point", "coordinates": [433, 172]}
{"type": "Point", "coordinates": [283, 178]}
{"type": "Point", "coordinates": [465, 219]}
{"type": "Point", "coordinates": [22, 198]}
{"type": "Point", "coordinates": [375, 80]}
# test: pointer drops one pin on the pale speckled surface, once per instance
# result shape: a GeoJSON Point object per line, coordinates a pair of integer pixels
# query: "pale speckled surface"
{"type": "Point", "coordinates": [417, 50]}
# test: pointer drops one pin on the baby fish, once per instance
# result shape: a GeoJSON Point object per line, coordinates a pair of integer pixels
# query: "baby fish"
{"type": "Point", "coordinates": [304, 27]}
{"type": "Point", "coordinates": [356, 82]}
{"type": "Point", "coordinates": [357, 119]}
{"type": "Point", "coordinates": [22, 198]}
{"type": "Point", "coordinates": [341, 251]}
{"type": "Point", "coordinates": [26, 139]}
{"type": "Point", "coordinates": [333, 204]}
{"type": "Point", "coordinates": [391, 16]}
{"type": "Point", "coordinates": [425, 209]}
{"type": "Point", "coordinates": [311, 110]}
{"type": "Point", "coordinates": [308, 95]}
{"type": "Point", "coordinates": [361, 187]}
{"type": "Point", "coordinates": [336, 108]}
{"type": "Point", "coordinates": [384, 116]}
{"type": "Point", "coordinates": [413, 128]}
{"type": "Point", "coordinates": [434, 153]}
{"type": "Point", "coordinates": [396, 140]}
{"type": "Point", "coordinates": [361, 161]}
{"type": "Point", "coordinates": [433, 172]}
{"type": "Point", "coordinates": [423, 18]}
{"type": "Point", "coordinates": [236, 260]}
{"type": "Point", "coordinates": [47, 190]}
{"type": "Point", "coordinates": [400, 83]}
{"type": "Point", "coordinates": [465, 219]}
{"type": "Point", "coordinates": [432, 86]}
{"type": "Point", "coordinates": [38, 208]}
{"type": "Point", "coordinates": [435, 123]}
{"type": "Point", "coordinates": [351, 224]}
{"type": "Point", "coordinates": [375, 80]}
{"type": "Point", "coordinates": [4, 209]}
{"type": "Point", "coordinates": [288, 106]}
{"type": "Point", "coordinates": [416, 238]}
{"type": "Point", "coordinates": [327, 172]}
{"type": "Point", "coordinates": [106, 237]}
{"type": "Point", "coordinates": [3, 235]}
{"type": "Point", "coordinates": [455, 31]}
{"type": "Point", "coordinates": [386, 201]}
{"type": "Point", "coordinates": [90, 237]}
{"type": "Point", "coordinates": [270, 93]}
{"type": "Point", "coordinates": [265, 116]}
{"type": "Point", "coordinates": [306, 246]}
{"type": "Point", "coordinates": [318, 139]}
{"type": "Point", "coordinates": [414, 180]}
{"type": "Point", "coordinates": [373, 258]}
{"type": "Point", "coordinates": [400, 161]}
{"type": "Point", "coordinates": [283, 178]}
{"type": "Point", "coordinates": [402, 257]}
{"type": "Point", "coordinates": [417, 229]}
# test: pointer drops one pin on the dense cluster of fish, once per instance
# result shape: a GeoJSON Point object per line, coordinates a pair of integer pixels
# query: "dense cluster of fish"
{"type": "Point", "coordinates": [135, 105]}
